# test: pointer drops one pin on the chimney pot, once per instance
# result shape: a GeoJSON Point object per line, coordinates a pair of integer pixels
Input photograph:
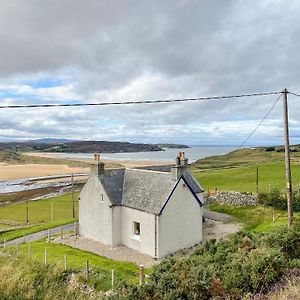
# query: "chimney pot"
{"type": "Point", "coordinates": [98, 168]}
{"type": "Point", "coordinates": [179, 168]}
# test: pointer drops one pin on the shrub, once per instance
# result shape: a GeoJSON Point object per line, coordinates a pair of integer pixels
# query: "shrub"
{"type": "Point", "coordinates": [278, 200]}
{"type": "Point", "coordinates": [253, 271]}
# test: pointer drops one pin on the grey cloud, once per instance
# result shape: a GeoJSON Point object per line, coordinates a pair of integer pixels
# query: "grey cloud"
{"type": "Point", "coordinates": [193, 48]}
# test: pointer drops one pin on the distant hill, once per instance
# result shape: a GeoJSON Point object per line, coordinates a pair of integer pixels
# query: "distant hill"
{"type": "Point", "coordinates": [50, 141]}
{"type": "Point", "coordinates": [246, 157]}
{"type": "Point", "coordinates": [79, 146]}
{"type": "Point", "coordinates": [173, 146]}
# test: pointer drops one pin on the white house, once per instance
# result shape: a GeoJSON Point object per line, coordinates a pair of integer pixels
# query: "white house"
{"type": "Point", "coordinates": [155, 213]}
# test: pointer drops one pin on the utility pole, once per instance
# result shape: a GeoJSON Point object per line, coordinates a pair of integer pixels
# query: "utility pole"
{"type": "Point", "coordinates": [256, 179]}
{"type": "Point", "coordinates": [287, 158]}
{"type": "Point", "coordinates": [72, 192]}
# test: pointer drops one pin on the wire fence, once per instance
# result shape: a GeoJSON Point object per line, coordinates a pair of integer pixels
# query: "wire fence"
{"type": "Point", "coordinates": [102, 278]}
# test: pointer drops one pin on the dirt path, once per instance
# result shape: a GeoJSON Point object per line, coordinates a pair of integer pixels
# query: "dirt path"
{"type": "Point", "coordinates": [213, 215]}
{"type": "Point", "coordinates": [218, 226]}
{"type": "Point", "coordinates": [219, 230]}
{"type": "Point", "coordinates": [39, 235]}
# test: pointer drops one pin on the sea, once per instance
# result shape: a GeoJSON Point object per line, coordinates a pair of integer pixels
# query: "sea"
{"type": "Point", "coordinates": [168, 155]}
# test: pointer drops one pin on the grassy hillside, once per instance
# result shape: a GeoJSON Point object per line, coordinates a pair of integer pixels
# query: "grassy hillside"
{"type": "Point", "coordinates": [244, 157]}
{"type": "Point", "coordinates": [236, 170]}
{"type": "Point", "coordinates": [80, 146]}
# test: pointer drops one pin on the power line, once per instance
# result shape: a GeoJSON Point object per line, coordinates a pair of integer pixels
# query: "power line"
{"type": "Point", "coordinates": [258, 125]}
{"type": "Point", "coordinates": [140, 102]}
{"type": "Point", "coordinates": [294, 94]}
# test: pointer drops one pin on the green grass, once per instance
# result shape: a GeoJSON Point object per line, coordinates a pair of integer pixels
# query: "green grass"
{"type": "Point", "coordinates": [255, 218]}
{"type": "Point", "coordinates": [76, 260]}
{"type": "Point", "coordinates": [236, 170]}
{"type": "Point", "coordinates": [39, 215]}
{"type": "Point", "coordinates": [40, 210]}
{"type": "Point", "coordinates": [16, 233]}
{"type": "Point", "coordinates": [243, 179]}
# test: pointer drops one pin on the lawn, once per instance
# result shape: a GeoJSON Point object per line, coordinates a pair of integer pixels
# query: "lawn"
{"type": "Point", "coordinates": [256, 218]}
{"type": "Point", "coordinates": [100, 266]}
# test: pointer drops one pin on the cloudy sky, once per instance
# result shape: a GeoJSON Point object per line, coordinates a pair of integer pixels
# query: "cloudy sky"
{"type": "Point", "coordinates": [74, 51]}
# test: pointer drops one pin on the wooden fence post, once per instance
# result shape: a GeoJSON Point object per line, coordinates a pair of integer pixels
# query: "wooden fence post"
{"type": "Point", "coordinates": [62, 233]}
{"type": "Point", "coordinates": [65, 262]}
{"type": "Point", "coordinates": [46, 256]}
{"type": "Point", "coordinates": [142, 274]}
{"type": "Point", "coordinates": [49, 236]}
{"type": "Point", "coordinates": [75, 235]}
{"type": "Point", "coordinates": [87, 269]}
{"type": "Point", "coordinates": [29, 251]}
{"type": "Point", "coordinates": [52, 212]}
{"type": "Point", "coordinates": [112, 279]}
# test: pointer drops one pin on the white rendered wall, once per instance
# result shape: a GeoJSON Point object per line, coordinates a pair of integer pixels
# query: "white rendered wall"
{"type": "Point", "coordinates": [146, 244]}
{"type": "Point", "coordinates": [180, 224]}
{"type": "Point", "coordinates": [95, 216]}
{"type": "Point", "coordinates": [116, 225]}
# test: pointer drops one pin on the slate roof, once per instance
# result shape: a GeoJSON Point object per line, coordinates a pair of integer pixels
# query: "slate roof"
{"type": "Point", "coordinates": [142, 189]}
{"type": "Point", "coordinates": [146, 190]}
{"type": "Point", "coordinates": [112, 182]}
{"type": "Point", "coordinates": [193, 183]}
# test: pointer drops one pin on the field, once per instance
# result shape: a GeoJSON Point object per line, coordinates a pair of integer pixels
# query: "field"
{"type": "Point", "coordinates": [40, 211]}
{"type": "Point", "coordinates": [236, 171]}
{"type": "Point", "coordinates": [42, 214]}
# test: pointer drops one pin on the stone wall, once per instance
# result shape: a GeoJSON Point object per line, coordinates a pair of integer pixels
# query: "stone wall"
{"type": "Point", "coordinates": [233, 198]}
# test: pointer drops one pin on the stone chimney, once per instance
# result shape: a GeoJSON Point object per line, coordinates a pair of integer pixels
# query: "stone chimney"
{"type": "Point", "coordinates": [98, 167]}
{"type": "Point", "coordinates": [181, 164]}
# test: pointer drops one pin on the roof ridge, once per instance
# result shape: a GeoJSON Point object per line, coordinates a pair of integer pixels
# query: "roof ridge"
{"type": "Point", "coordinates": [123, 186]}
{"type": "Point", "coordinates": [149, 171]}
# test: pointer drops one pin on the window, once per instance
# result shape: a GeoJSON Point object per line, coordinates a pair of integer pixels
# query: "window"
{"type": "Point", "coordinates": [136, 228]}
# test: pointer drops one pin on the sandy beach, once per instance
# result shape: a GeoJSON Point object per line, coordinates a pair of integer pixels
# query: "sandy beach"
{"type": "Point", "coordinates": [10, 172]}
{"type": "Point", "coordinates": [125, 163]}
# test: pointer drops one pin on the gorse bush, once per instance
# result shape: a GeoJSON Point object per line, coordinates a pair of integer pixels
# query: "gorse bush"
{"type": "Point", "coordinates": [278, 200]}
{"type": "Point", "coordinates": [23, 279]}
{"type": "Point", "coordinates": [241, 266]}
